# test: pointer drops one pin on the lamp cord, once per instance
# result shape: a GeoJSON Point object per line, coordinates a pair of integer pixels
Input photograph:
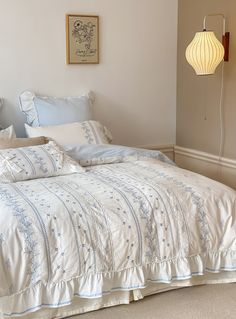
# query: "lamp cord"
{"type": "Point", "coordinates": [221, 148]}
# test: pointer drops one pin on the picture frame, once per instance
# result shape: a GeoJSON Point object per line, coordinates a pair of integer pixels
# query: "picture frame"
{"type": "Point", "coordinates": [82, 39]}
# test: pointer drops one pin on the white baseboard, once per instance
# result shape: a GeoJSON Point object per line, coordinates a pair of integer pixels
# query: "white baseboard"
{"type": "Point", "coordinates": [223, 170]}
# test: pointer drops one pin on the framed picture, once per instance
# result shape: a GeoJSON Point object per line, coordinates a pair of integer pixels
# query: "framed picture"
{"type": "Point", "coordinates": [82, 39]}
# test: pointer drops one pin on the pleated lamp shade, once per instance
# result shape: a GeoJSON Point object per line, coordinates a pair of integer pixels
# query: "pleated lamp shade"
{"type": "Point", "coordinates": [205, 53]}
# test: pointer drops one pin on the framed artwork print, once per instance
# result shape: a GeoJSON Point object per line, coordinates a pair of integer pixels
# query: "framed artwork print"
{"type": "Point", "coordinates": [82, 39]}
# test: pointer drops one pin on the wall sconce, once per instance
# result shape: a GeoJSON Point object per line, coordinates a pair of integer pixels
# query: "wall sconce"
{"type": "Point", "coordinates": [206, 52]}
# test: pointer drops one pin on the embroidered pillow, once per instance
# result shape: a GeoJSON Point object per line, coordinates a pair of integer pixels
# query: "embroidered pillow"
{"type": "Point", "coordinates": [46, 110]}
{"type": "Point", "coordinates": [33, 162]}
{"type": "Point", "coordinates": [8, 133]}
{"type": "Point", "coordinates": [88, 132]}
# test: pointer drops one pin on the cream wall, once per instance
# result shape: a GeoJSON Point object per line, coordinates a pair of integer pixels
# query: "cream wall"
{"type": "Point", "coordinates": [135, 83]}
{"type": "Point", "coordinates": [198, 97]}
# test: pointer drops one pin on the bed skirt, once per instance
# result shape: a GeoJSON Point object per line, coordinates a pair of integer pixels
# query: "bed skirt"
{"type": "Point", "coordinates": [82, 305]}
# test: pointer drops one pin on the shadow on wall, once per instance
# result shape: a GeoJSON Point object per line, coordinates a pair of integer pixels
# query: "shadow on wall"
{"type": "Point", "coordinates": [116, 115]}
{"type": "Point", "coordinates": [11, 115]}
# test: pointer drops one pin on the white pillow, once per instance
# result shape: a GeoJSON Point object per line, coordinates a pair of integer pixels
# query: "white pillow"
{"type": "Point", "coordinates": [89, 132]}
{"type": "Point", "coordinates": [19, 164]}
{"type": "Point", "coordinates": [8, 133]}
{"type": "Point", "coordinates": [47, 110]}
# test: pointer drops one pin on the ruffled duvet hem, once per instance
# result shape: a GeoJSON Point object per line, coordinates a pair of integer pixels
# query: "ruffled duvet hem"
{"type": "Point", "coordinates": [55, 295]}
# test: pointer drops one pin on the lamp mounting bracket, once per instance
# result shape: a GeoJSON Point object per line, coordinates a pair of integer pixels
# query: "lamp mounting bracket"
{"type": "Point", "coordinates": [226, 35]}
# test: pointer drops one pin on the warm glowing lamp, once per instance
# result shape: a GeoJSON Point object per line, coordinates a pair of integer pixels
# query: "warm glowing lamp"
{"type": "Point", "coordinates": [206, 52]}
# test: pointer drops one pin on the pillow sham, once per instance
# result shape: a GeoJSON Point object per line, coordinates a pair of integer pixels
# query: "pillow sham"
{"type": "Point", "coordinates": [88, 132]}
{"type": "Point", "coordinates": [22, 142]}
{"type": "Point", "coordinates": [33, 162]}
{"type": "Point", "coordinates": [46, 111]}
{"type": "Point", "coordinates": [8, 133]}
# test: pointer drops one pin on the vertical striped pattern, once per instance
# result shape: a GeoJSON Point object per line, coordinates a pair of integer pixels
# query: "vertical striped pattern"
{"type": "Point", "coordinates": [205, 53]}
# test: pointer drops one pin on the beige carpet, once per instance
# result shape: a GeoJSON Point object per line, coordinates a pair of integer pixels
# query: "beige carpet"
{"type": "Point", "coordinates": [202, 302]}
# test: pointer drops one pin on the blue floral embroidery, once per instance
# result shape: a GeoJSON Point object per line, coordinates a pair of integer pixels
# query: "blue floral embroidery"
{"type": "Point", "coordinates": [116, 185]}
{"type": "Point", "coordinates": [42, 165]}
{"type": "Point", "coordinates": [25, 227]}
{"type": "Point", "coordinates": [151, 205]}
{"type": "Point", "coordinates": [196, 200]}
{"type": "Point", "coordinates": [88, 134]}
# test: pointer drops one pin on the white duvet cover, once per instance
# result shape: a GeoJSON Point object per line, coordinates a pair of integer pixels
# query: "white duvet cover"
{"type": "Point", "coordinates": [115, 227]}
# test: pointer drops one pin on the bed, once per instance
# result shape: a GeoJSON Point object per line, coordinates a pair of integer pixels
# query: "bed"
{"type": "Point", "coordinates": [130, 224]}
{"type": "Point", "coordinates": [90, 225]}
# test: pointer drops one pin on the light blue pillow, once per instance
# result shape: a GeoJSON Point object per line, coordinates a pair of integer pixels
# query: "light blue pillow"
{"type": "Point", "coordinates": [47, 111]}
